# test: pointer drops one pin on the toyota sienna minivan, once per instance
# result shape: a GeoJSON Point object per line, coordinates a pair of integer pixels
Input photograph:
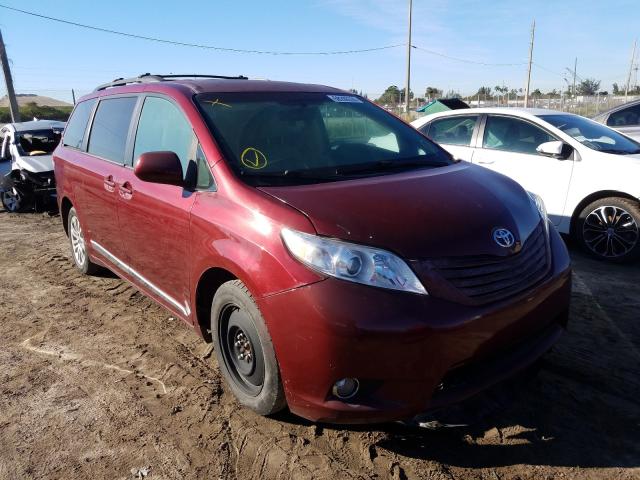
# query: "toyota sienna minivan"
{"type": "Point", "coordinates": [341, 263]}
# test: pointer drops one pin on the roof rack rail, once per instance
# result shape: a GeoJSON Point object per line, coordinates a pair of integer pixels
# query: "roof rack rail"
{"type": "Point", "coordinates": [148, 78]}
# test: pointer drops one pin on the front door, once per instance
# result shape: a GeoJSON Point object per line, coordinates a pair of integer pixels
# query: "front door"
{"type": "Point", "coordinates": [155, 218]}
{"type": "Point", "coordinates": [508, 146]}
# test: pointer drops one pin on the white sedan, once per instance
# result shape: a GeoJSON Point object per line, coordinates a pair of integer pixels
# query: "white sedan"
{"type": "Point", "coordinates": [587, 174]}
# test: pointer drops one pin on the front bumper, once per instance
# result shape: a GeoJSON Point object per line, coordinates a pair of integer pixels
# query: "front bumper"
{"type": "Point", "coordinates": [410, 353]}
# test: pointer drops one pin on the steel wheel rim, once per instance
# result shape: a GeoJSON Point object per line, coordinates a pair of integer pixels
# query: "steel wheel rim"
{"type": "Point", "coordinates": [11, 200]}
{"type": "Point", "coordinates": [241, 350]}
{"type": "Point", "coordinates": [610, 231]}
{"type": "Point", "coordinates": [77, 241]}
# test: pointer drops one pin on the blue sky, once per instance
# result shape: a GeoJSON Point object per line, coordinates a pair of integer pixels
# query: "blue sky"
{"type": "Point", "coordinates": [51, 58]}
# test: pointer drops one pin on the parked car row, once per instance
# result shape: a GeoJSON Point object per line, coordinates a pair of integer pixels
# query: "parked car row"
{"type": "Point", "coordinates": [586, 173]}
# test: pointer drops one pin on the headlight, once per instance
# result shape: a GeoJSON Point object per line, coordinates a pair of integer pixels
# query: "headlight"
{"type": "Point", "coordinates": [537, 200]}
{"type": "Point", "coordinates": [351, 262]}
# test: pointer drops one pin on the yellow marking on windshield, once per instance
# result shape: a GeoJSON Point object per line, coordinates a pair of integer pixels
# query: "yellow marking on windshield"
{"type": "Point", "coordinates": [253, 158]}
{"type": "Point", "coordinates": [218, 102]}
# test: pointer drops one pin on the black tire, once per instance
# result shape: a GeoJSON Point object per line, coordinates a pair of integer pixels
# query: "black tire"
{"type": "Point", "coordinates": [76, 241]}
{"type": "Point", "coordinates": [609, 229]}
{"type": "Point", "coordinates": [244, 349]}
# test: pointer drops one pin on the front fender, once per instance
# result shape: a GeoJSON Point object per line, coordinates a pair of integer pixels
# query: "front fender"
{"type": "Point", "coordinates": [246, 242]}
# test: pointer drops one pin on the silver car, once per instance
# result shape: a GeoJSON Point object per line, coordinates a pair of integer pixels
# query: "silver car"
{"type": "Point", "coordinates": [624, 118]}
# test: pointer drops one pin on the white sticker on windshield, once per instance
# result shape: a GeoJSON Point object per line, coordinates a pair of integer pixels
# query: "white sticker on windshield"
{"type": "Point", "coordinates": [344, 99]}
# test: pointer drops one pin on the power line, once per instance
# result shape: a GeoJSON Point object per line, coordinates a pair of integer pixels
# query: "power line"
{"type": "Point", "coordinates": [196, 45]}
{"type": "Point", "coordinates": [547, 69]}
{"type": "Point", "coordinates": [463, 60]}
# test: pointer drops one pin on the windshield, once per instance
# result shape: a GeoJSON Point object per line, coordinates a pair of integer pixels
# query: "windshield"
{"type": "Point", "coordinates": [38, 142]}
{"type": "Point", "coordinates": [293, 138]}
{"type": "Point", "coordinates": [592, 134]}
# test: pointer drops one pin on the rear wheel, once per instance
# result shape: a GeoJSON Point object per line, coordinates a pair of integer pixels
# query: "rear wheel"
{"type": "Point", "coordinates": [78, 245]}
{"type": "Point", "coordinates": [244, 349]}
{"type": "Point", "coordinates": [609, 229]}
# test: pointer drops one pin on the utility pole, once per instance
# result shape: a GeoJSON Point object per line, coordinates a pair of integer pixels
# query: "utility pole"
{"type": "Point", "coordinates": [408, 87]}
{"type": "Point", "coordinates": [73, 95]}
{"type": "Point", "coordinates": [13, 104]}
{"type": "Point", "coordinates": [575, 69]}
{"type": "Point", "coordinates": [526, 92]}
{"type": "Point", "coordinates": [633, 58]}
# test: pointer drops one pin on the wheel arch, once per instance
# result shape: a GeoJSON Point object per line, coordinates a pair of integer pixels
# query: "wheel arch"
{"type": "Point", "coordinates": [65, 208]}
{"type": "Point", "coordinates": [592, 198]}
{"type": "Point", "coordinates": [208, 283]}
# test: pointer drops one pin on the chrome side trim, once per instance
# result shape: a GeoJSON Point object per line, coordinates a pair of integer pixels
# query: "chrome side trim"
{"type": "Point", "coordinates": [184, 309]}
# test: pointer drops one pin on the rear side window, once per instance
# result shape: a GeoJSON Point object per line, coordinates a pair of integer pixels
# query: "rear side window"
{"type": "Point", "coordinates": [454, 130]}
{"type": "Point", "coordinates": [163, 127]}
{"type": "Point", "coordinates": [77, 125]}
{"type": "Point", "coordinates": [626, 117]}
{"type": "Point", "coordinates": [110, 128]}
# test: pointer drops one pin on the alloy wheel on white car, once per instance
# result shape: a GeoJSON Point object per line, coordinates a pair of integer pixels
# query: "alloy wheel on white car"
{"type": "Point", "coordinates": [610, 229]}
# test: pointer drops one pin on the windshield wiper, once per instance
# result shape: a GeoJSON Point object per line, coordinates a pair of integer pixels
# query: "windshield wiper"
{"type": "Point", "coordinates": [386, 165]}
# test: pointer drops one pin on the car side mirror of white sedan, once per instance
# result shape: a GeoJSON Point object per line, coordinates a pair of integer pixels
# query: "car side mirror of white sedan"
{"type": "Point", "coordinates": [555, 149]}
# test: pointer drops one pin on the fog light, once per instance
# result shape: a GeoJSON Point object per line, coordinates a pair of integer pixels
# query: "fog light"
{"type": "Point", "coordinates": [346, 388]}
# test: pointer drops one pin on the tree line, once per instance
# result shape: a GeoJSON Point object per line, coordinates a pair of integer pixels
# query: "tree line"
{"type": "Point", "coordinates": [586, 87]}
{"type": "Point", "coordinates": [31, 110]}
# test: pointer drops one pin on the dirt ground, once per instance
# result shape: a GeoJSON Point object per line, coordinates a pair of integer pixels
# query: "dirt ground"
{"type": "Point", "coordinates": [97, 381]}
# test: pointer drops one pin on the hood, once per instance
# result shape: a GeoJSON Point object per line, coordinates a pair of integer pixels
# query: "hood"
{"type": "Point", "coordinates": [36, 163]}
{"type": "Point", "coordinates": [447, 211]}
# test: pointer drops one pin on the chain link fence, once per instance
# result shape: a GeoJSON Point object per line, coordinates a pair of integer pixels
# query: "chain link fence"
{"type": "Point", "coordinates": [587, 106]}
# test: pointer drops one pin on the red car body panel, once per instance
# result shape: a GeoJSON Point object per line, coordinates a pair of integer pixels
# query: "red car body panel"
{"type": "Point", "coordinates": [400, 345]}
{"type": "Point", "coordinates": [329, 330]}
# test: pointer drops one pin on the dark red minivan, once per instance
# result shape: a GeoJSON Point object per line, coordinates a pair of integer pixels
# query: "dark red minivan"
{"type": "Point", "coordinates": [343, 264]}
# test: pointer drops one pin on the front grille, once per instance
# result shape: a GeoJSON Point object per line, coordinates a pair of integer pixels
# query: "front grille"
{"type": "Point", "coordinates": [488, 278]}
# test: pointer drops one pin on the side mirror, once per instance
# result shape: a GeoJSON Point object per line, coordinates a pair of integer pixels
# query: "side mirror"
{"type": "Point", "coordinates": [555, 149]}
{"type": "Point", "coordinates": [159, 167]}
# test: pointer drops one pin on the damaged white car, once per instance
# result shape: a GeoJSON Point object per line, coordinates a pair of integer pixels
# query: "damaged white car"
{"type": "Point", "coordinates": [26, 165]}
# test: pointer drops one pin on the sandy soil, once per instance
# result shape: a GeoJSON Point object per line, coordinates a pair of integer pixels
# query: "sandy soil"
{"type": "Point", "coordinates": [97, 381]}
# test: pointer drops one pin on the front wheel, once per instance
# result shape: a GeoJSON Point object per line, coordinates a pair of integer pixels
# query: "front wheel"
{"type": "Point", "coordinates": [609, 229]}
{"type": "Point", "coordinates": [13, 200]}
{"type": "Point", "coordinates": [244, 349]}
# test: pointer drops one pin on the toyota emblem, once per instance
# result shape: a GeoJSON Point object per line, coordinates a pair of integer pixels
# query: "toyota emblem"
{"type": "Point", "coordinates": [503, 237]}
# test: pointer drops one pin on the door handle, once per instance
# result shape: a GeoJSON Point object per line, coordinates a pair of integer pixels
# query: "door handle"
{"type": "Point", "coordinates": [109, 184]}
{"type": "Point", "coordinates": [126, 191]}
{"type": "Point", "coordinates": [486, 162]}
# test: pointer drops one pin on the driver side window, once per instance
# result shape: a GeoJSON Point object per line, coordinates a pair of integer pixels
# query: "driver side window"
{"type": "Point", "coordinates": [513, 135]}
{"type": "Point", "coordinates": [163, 127]}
